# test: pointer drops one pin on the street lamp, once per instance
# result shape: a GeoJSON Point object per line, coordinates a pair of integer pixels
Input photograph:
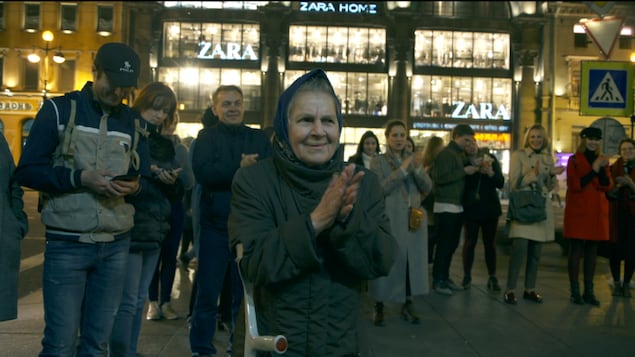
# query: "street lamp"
{"type": "Point", "coordinates": [58, 57]}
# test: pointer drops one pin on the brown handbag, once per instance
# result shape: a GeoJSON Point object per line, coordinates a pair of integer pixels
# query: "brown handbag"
{"type": "Point", "coordinates": [415, 218]}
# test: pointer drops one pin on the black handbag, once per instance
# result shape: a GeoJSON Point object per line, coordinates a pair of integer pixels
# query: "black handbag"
{"type": "Point", "coordinates": [527, 206]}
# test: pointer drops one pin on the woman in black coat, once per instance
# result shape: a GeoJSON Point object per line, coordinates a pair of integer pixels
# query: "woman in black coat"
{"type": "Point", "coordinates": [482, 208]}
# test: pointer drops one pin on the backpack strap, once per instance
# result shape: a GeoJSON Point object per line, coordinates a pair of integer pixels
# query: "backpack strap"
{"type": "Point", "coordinates": [135, 160]}
{"type": "Point", "coordinates": [70, 135]}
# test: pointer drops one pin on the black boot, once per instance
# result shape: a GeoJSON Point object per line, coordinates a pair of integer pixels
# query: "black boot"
{"type": "Point", "coordinates": [378, 314]}
{"type": "Point", "coordinates": [588, 295]}
{"type": "Point", "coordinates": [408, 312]}
{"type": "Point", "coordinates": [617, 289]}
{"type": "Point", "coordinates": [576, 298]}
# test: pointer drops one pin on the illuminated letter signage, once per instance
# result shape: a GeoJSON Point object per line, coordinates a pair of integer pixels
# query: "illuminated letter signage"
{"type": "Point", "coordinates": [232, 51]}
{"type": "Point", "coordinates": [483, 111]}
{"type": "Point", "coordinates": [341, 7]}
{"type": "Point", "coordinates": [15, 106]}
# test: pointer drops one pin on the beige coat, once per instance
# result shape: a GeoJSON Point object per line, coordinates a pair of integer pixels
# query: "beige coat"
{"type": "Point", "coordinates": [400, 192]}
{"type": "Point", "coordinates": [521, 176]}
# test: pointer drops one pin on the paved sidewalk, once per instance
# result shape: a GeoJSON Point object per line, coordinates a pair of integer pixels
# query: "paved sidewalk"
{"type": "Point", "coordinates": [470, 323]}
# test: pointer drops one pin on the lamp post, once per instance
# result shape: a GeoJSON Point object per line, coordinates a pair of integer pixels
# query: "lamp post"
{"type": "Point", "coordinates": [58, 57]}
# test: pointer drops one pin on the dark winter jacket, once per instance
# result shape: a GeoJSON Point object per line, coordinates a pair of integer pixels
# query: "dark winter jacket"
{"type": "Point", "coordinates": [215, 159]}
{"type": "Point", "coordinates": [480, 199]}
{"type": "Point", "coordinates": [307, 287]}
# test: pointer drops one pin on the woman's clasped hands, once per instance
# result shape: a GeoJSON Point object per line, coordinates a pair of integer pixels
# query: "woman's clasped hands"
{"type": "Point", "coordinates": [338, 200]}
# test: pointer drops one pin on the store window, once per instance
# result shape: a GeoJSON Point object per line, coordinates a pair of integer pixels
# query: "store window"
{"type": "Point", "coordinates": [336, 44]}
{"type": "Point", "coordinates": [66, 80]}
{"type": "Point", "coordinates": [461, 97]}
{"type": "Point", "coordinates": [2, 20]}
{"type": "Point", "coordinates": [194, 85]}
{"type": "Point", "coordinates": [237, 5]}
{"type": "Point", "coordinates": [216, 41]}
{"type": "Point", "coordinates": [359, 93]}
{"type": "Point", "coordinates": [105, 24]}
{"type": "Point", "coordinates": [31, 17]}
{"type": "Point", "coordinates": [458, 49]}
{"type": "Point", "coordinates": [68, 18]}
{"type": "Point", "coordinates": [31, 75]}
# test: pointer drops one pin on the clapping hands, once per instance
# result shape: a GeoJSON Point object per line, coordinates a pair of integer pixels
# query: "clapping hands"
{"type": "Point", "coordinates": [338, 200]}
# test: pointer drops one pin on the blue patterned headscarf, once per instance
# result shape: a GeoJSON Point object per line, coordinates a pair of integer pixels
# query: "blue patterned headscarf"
{"type": "Point", "coordinates": [281, 120]}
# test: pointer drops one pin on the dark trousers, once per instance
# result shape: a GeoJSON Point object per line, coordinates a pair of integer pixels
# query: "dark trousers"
{"type": "Point", "coordinates": [448, 235]}
{"type": "Point", "coordinates": [487, 227]}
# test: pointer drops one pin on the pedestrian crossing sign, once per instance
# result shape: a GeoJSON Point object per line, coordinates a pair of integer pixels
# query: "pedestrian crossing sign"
{"type": "Point", "coordinates": [606, 88]}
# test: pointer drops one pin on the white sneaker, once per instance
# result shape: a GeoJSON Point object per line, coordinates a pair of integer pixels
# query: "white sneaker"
{"type": "Point", "coordinates": [154, 312]}
{"type": "Point", "coordinates": [168, 312]}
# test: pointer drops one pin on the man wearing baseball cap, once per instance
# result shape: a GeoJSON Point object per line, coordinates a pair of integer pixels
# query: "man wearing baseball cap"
{"type": "Point", "coordinates": [78, 143]}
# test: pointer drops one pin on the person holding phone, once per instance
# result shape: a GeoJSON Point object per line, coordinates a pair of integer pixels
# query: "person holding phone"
{"type": "Point", "coordinates": [156, 104]}
{"type": "Point", "coordinates": [86, 217]}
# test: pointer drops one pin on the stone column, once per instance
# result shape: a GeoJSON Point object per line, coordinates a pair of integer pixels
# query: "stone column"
{"type": "Point", "coordinates": [274, 37]}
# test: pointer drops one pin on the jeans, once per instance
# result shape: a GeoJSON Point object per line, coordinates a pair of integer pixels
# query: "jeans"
{"type": "Point", "coordinates": [213, 261]}
{"type": "Point", "coordinates": [81, 288]}
{"type": "Point", "coordinates": [166, 266]}
{"type": "Point", "coordinates": [125, 332]}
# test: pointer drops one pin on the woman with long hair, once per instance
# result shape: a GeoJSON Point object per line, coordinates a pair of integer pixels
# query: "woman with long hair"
{"type": "Point", "coordinates": [531, 167]}
{"type": "Point", "coordinates": [586, 213]}
{"type": "Point", "coordinates": [367, 148]}
{"type": "Point", "coordinates": [433, 147]}
{"type": "Point", "coordinates": [404, 180]}
{"type": "Point", "coordinates": [156, 104]}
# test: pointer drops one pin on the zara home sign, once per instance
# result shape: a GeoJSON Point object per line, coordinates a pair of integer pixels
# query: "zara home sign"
{"type": "Point", "coordinates": [339, 7]}
{"type": "Point", "coordinates": [232, 51]}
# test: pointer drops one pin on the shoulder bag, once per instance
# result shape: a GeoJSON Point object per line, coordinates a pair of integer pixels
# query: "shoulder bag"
{"type": "Point", "coordinates": [527, 206]}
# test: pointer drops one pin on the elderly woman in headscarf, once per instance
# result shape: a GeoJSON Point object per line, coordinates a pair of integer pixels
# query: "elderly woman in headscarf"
{"type": "Point", "coordinates": [311, 227]}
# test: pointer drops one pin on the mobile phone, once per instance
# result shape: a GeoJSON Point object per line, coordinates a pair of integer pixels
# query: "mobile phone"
{"type": "Point", "coordinates": [127, 177]}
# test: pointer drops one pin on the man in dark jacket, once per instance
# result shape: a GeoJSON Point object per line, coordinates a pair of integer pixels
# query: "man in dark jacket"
{"type": "Point", "coordinates": [78, 143]}
{"type": "Point", "coordinates": [448, 176]}
{"type": "Point", "coordinates": [219, 152]}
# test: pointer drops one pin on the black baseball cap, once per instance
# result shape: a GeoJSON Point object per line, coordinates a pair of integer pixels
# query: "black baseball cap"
{"type": "Point", "coordinates": [120, 63]}
{"type": "Point", "coordinates": [591, 132]}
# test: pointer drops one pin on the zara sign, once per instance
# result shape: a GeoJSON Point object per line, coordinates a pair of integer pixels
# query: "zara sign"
{"type": "Point", "coordinates": [483, 111]}
{"type": "Point", "coordinates": [232, 51]}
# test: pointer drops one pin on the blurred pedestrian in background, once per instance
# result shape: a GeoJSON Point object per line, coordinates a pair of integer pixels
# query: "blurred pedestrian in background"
{"type": "Point", "coordinates": [433, 147]}
{"type": "Point", "coordinates": [622, 219]}
{"type": "Point", "coordinates": [367, 149]}
{"type": "Point", "coordinates": [13, 227]}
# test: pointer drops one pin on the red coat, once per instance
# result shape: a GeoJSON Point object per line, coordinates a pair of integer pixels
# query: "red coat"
{"type": "Point", "coordinates": [586, 213]}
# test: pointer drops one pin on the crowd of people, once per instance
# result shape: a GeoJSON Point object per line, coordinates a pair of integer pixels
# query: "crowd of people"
{"type": "Point", "coordinates": [121, 196]}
